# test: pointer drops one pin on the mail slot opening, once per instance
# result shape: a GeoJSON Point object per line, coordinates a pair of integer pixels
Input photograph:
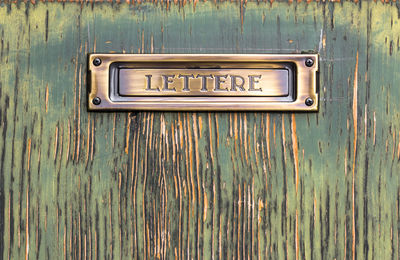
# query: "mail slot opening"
{"type": "Point", "coordinates": [182, 80]}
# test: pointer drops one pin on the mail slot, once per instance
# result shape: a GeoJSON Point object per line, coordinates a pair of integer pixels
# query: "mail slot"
{"type": "Point", "coordinates": [222, 82]}
{"type": "Point", "coordinates": [203, 82]}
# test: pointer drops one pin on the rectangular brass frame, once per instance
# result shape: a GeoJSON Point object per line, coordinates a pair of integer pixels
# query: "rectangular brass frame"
{"type": "Point", "coordinates": [105, 83]}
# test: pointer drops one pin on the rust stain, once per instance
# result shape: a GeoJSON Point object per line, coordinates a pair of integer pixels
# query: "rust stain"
{"type": "Point", "coordinates": [260, 207]}
{"type": "Point", "coordinates": [394, 144]}
{"type": "Point", "coordinates": [65, 242]}
{"type": "Point", "coordinates": [255, 143]}
{"type": "Point", "coordinates": [345, 162]}
{"type": "Point", "coordinates": [220, 237]}
{"type": "Point", "coordinates": [145, 224]}
{"type": "Point", "coordinates": [84, 247]}
{"type": "Point", "coordinates": [274, 131]}
{"type": "Point", "coordinates": [60, 151]}
{"type": "Point", "coordinates": [246, 152]}
{"type": "Point", "coordinates": [263, 161]}
{"type": "Point", "coordinates": [95, 244]}
{"type": "Point", "coordinates": [297, 234]}
{"type": "Point", "coordinates": [110, 218]}
{"type": "Point", "coordinates": [176, 187]}
{"type": "Point", "coordinates": [210, 137]}
{"type": "Point", "coordinates": [196, 146]}
{"type": "Point", "coordinates": [200, 118]}
{"type": "Point", "coordinates": [79, 238]}
{"type": "Point", "coordinates": [241, 13]}
{"type": "Point", "coordinates": [217, 130]}
{"type": "Point", "coordinates": [295, 151]}
{"type": "Point", "coordinates": [147, 252]}
{"type": "Point", "coordinates": [190, 142]}
{"type": "Point", "coordinates": [283, 137]}
{"type": "Point", "coordinates": [398, 148]}
{"type": "Point", "coordinates": [374, 127]}
{"type": "Point", "coordinates": [69, 139]}
{"type": "Point", "coordinates": [88, 140]}
{"type": "Point", "coordinates": [345, 238]}
{"type": "Point", "coordinates": [180, 130]}
{"type": "Point", "coordinates": [47, 96]}
{"type": "Point", "coordinates": [29, 153]}
{"type": "Point", "coordinates": [27, 224]}
{"type": "Point", "coordinates": [127, 133]}
{"type": "Point", "coordinates": [239, 220]}
{"type": "Point", "coordinates": [213, 220]}
{"type": "Point", "coordinates": [9, 215]}
{"type": "Point", "coordinates": [92, 142]}
{"type": "Point", "coordinates": [113, 135]}
{"type": "Point", "coordinates": [152, 44]}
{"type": "Point", "coordinates": [78, 136]}
{"type": "Point", "coordinates": [268, 143]}
{"type": "Point", "coordinates": [241, 137]}
{"type": "Point", "coordinates": [173, 133]}
{"type": "Point", "coordinates": [205, 206]}
{"type": "Point", "coordinates": [197, 158]}
{"type": "Point", "coordinates": [230, 125]}
{"type": "Point", "coordinates": [142, 50]}
{"type": "Point", "coordinates": [355, 88]}
{"type": "Point", "coordinates": [252, 208]}
{"type": "Point", "coordinates": [234, 126]}
{"type": "Point", "coordinates": [365, 121]}
{"type": "Point", "coordinates": [235, 131]}
{"type": "Point", "coordinates": [151, 130]}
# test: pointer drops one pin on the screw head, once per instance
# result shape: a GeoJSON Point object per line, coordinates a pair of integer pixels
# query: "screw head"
{"type": "Point", "coordinates": [96, 101]}
{"type": "Point", "coordinates": [97, 62]}
{"type": "Point", "coordinates": [309, 62]}
{"type": "Point", "coordinates": [309, 101]}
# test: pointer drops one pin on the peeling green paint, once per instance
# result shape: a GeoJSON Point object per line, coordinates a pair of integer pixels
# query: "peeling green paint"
{"type": "Point", "coordinates": [75, 184]}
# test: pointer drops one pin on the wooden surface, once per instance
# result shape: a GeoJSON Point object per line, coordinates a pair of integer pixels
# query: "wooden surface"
{"type": "Point", "coordinates": [79, 185]}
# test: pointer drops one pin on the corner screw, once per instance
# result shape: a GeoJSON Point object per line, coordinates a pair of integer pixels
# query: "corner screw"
{"type": "Point", "coordinates": [97, 62]}
{"type": "Point", "coordinates": [309, 62]}
{"type": "Point", "coordinates": [96, 101]}
{"type": "Point", "coordinates": [309, 101]}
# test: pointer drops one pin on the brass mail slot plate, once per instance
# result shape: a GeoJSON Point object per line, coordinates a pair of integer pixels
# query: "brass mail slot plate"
{"type": "Point", "coordinates": [195, 82]}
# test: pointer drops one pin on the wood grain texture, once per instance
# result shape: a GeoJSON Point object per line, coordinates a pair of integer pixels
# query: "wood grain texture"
{"type": "Point", "coordinates": [79, 185]}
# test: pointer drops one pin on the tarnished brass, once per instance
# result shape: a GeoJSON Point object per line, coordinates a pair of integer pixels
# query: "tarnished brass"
{"type": "Point", "coordinates": [265, 82]}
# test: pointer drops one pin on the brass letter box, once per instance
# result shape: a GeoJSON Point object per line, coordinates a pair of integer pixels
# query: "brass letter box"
{"type": "Point", "coordinates": [265, 82]}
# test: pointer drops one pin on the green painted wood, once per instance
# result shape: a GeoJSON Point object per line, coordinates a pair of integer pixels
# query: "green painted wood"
{"type": "Point", "coordinates": [147, 185]}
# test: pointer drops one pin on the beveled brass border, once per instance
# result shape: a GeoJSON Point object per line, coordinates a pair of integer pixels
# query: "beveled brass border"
{"type": "Point", "coordinates": [305, 84]}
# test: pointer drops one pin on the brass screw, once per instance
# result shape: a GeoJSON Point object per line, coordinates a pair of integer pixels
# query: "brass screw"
{"type": "Point", "coordinates": [309, 101]}
{"type": "Point", "coordinates": [309, 62]}
{"type": "Point", "coordinates": [96, 101]}
{"type": "Point", "coordinates": [97, 62]}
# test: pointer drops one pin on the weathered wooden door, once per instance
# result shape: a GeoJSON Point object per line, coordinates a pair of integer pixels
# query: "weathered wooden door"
{"type": "Point", "coordinates": [93, 185]}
